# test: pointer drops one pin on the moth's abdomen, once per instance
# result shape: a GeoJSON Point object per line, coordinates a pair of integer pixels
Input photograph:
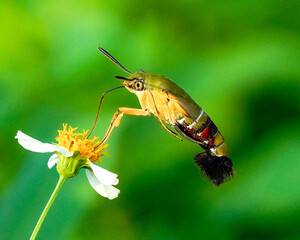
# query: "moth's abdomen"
{"type": "Point", "coordinates": [203, 131]}
{"type": "Point", "coordinates": [213, 162]}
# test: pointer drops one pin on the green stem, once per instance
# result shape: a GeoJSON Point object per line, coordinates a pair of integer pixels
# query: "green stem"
{"type": "Point", "coordinates": [59, 184]}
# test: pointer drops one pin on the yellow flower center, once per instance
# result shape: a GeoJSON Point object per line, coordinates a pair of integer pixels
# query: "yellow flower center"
{"type": "Point", "coordinates": [78, 142]}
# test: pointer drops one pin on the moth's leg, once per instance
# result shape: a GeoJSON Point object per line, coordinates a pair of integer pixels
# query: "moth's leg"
{"type": "Point", "coordinates": [169, 130]}
{"type": "Point", "coordinates": [115, 122]}
{"type": "Point", "coordinates": [156, 114]}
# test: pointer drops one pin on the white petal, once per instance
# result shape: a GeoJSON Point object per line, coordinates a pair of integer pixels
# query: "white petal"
{"type": "Point", "coordinates": [104, 190]}
{"type": "Point", "coordinates": [34, 145]}
{"type": "Point", "coordinates": [53, 160]}
{"type": "Point", "coordinates": [111, 192]}
{"type": "Point", "coordinates": [104, 176]}
{"type": "Point", "coordinates": [116, 182]}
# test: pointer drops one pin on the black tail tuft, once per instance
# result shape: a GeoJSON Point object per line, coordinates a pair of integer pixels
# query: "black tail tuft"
{"type": "Point", "coordinates": [216, 169]}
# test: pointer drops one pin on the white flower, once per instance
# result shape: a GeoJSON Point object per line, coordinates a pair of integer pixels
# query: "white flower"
{"type": "Point", "coordinates": [100, 179]}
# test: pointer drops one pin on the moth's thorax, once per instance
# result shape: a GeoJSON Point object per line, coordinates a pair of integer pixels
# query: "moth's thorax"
{"type": "Point", "coordinates": [160, 104]}
{"type": "Point", "coordinates": [164, 98]}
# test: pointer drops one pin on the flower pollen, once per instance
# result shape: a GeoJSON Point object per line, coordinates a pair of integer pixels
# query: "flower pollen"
{"type": "Point", "coordinates": [78, 142]}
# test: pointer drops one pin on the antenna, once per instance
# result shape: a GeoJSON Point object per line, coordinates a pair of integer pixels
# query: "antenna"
{"type": "Point", "coordinates": [113, 59]}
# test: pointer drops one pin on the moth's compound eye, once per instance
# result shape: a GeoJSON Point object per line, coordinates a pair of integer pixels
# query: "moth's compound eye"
{"type": "Point", "coordinates": [138, 85]}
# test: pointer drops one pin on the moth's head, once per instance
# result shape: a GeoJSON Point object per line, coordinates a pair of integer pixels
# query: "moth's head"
{"type": "Point", "coordinates": [135, 82]}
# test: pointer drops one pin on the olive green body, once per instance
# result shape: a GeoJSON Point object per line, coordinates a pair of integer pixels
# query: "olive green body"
{"type": "Point", "coordinates": [169, 102]}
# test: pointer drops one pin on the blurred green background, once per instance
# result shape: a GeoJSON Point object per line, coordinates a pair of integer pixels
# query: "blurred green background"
{"type": "Point", "coordinates": [240, 60]}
